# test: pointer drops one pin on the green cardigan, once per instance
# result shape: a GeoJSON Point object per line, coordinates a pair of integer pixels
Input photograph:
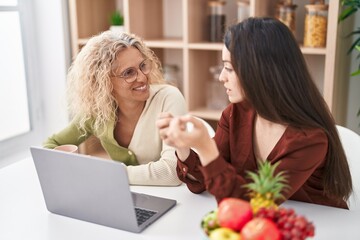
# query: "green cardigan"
{"type": "Point", "coordinates": [149, 160]}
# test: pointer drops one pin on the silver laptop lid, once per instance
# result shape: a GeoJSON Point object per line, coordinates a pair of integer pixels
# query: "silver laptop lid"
{"type": "Point", "coordinates": [89, 189]}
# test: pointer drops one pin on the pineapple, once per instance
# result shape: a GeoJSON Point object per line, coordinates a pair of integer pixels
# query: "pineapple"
{"type": "Point", "coordinates": [265, 188]}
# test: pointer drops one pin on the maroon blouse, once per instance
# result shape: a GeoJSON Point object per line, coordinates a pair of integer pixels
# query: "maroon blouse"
{"type": "Point", "coordinates": [302, 153]}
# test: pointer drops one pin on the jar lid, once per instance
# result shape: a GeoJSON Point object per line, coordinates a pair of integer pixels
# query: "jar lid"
{"type": "Point", "coordinates": [170, 67]}
{"type": "Point", "coordinates": [317, 7]}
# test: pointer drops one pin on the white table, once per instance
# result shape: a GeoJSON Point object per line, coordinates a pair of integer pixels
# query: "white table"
{"type": "Point", "coordinates": [23, 214]}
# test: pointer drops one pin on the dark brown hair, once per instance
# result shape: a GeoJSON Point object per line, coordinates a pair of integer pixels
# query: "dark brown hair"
{"type": "Point", "coordinates": [276, 82]}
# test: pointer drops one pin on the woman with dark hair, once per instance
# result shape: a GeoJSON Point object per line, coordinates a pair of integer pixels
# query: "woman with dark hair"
{"type": "Point", "coordinates": [276, 114]}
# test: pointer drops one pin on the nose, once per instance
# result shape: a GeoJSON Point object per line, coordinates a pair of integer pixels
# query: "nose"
{"type": "Point", "coordinates": [222, 77]}
{"type": "Point", "coordinates": [141, 77]}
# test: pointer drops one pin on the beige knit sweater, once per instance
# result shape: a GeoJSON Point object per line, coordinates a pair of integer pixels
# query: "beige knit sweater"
{"type": "Point", "coordinates": [149, 161]}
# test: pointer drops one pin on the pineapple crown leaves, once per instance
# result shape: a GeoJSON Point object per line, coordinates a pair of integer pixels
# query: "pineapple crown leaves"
{"type": "Point", "coordinates": [265, 182]}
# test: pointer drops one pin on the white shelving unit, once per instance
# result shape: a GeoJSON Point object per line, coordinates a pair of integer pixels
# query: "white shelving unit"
{"type": "Point", "coordinates": [175, 30]}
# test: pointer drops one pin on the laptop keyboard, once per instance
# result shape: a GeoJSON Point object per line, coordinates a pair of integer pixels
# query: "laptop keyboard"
{"type": "Point", "coordinates": [143, 214]}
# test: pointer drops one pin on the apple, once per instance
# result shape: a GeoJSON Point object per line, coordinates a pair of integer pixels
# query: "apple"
{"type": "Point", "coordinates": [234, 213]}
{"type": "Point", "coordinates": [260, 229]}
{"type": "Point", "coordinates": [224, 234]}
{"type": "Point", "coordinates": [209, 222]}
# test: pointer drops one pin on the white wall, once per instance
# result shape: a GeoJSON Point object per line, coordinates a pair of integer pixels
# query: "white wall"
{"type": "Point", "coordinates": [49, 68]}
{"type": "Point", "coordinates": [53, 58]}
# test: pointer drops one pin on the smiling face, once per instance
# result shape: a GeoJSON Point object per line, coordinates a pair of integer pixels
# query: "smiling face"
{"type": "Point", "coordinates": [229, 78]}
{"type": "Point", "coordinates": [136, 91]}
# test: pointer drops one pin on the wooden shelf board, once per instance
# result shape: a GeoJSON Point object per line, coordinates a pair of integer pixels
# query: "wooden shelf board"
{"type": "Point", "coordinates": [165, 43]}
{"type": "Point", "coordinates": [206, 46]}
{"type": "Point", "coordinates": [158, 43]}
{"type": "Point", "coordinates": [206, 114]}
{"type": "Point", "coordinates": [313, 51]}
{"type": "Point", "coordinates": [82, 41]}
{"type": "Point", "coordinates": [176, 43]}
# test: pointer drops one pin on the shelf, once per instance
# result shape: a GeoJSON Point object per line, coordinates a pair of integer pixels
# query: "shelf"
{"type": "Point", "coordinates": [219, 46]}
{"type": "Point", "coordinates": [82, 41]}
{"type": "Point", "coordinates": [207, 114]}
{"type": "Point", "coordinates": [313, 51]}
{"type": "Point", "coordinates": [177, 33]}
{"type": "Point", "coordinates": [179, 44]}
{"type": "Point", "coordinates": [206, 46]}
{"type": "Point", "coordinates": [160, 43]}
{"type": "Point", "coordinates": [165, 43]}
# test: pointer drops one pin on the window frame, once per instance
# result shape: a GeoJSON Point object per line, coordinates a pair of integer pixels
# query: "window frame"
{"type": "Point", "coordinates": [21, 142]}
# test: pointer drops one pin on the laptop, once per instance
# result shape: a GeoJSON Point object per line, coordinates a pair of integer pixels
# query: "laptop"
{"type": "Point", "coordinates": [94, 190]}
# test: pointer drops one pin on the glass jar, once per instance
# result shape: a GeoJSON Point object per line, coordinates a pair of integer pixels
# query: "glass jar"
{"type": "Point", "coordinates": [315, 25]}
{"type": "Point", "coordinates": [216, 19]}
{"type": "Point", "coordinates": [216, 97]}
{"type": "Point", "coordinates": [243, 10]}
{"type": "Point", "coordinates": [277, 9]}
{"type": "Point", "coordinates": [286, 14]}
{"type": "Point", "coordinates": [171, 75]}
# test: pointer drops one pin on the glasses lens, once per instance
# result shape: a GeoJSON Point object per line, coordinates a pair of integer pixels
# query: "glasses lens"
{"type": "Point", "coordinates": [129, 74]}
{"type": "Point", "coordinates": [146, 66]}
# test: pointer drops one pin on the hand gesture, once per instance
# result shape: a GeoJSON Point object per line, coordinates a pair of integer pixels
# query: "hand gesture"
{"type": "Point", "coordinates": [187, 132]}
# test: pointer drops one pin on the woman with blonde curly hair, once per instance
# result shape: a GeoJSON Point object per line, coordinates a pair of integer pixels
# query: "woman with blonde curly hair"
{"type": "Point", "coordinates": [116, 92]}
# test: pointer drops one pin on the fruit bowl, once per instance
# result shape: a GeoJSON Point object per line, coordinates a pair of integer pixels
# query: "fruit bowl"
{"type": "Point", "coordinates": [209, 222]}
{"type": "Point", "coordinates": [260, 218]}
{"type": "Point", "coordinates": [281, 223]}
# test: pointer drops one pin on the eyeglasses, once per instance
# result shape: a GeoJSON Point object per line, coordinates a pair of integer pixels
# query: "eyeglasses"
{"type": "Point", "coordinates": [131, 74]}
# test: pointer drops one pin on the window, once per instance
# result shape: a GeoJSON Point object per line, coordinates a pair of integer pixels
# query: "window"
{"type": "Point", "coordinates": [18, 104]}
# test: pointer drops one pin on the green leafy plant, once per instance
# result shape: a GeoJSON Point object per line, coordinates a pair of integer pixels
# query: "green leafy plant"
{"type": "Point", "coordinates": [116, 19]}
{"type": "Point", "coordinates": [350, 8]}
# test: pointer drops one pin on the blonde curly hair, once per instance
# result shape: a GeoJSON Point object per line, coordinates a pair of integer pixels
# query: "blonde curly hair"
{"type": "Point", "coordinates": [89, 86]}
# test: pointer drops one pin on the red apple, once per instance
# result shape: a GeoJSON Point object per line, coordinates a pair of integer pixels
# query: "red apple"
{"type": "Point", "coordinates": [260, 229]}
{"type": "Point", "coordinates": [233, 213]}
{"type": "Point", "coordinates": [224, 234]}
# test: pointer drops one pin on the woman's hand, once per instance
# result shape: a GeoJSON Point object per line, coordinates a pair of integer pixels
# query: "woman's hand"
{"type": "Point", "coordinates": [163, 124]}
{"type": "Point", "coordinates": [188, 132]}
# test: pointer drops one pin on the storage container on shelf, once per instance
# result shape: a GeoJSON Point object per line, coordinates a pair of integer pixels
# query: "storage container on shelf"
{"type": "Point", "coordinates": [287, 15]}
{"type": "Point", "coordinates": [216, 20]}
{"type": "Point", "coordinates": [171, 75]}
{"type": "Point", "coordinates": [217, 99]}
{"type": "Point", "coordinates": [316, 24]}
{"type": "Point", "coordinates": [243, 10]}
